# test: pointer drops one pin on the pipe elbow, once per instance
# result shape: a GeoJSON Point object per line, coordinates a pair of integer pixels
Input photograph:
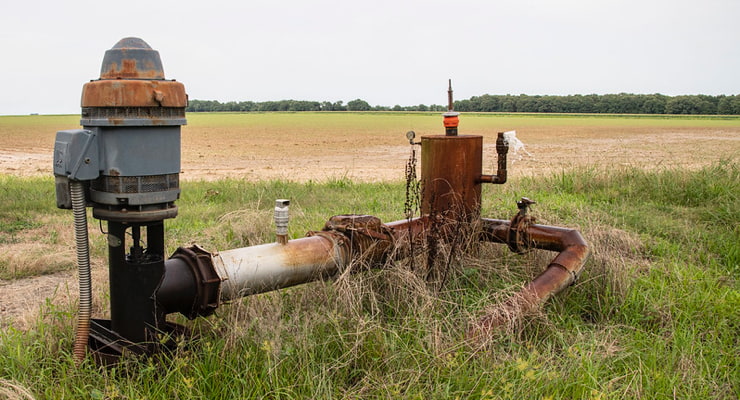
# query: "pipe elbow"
{"type": "Point", "coordinates": [497, 179]}
{"type": "Point", "coordinates": [574, 250]}
{"type": "Point", "coordinates": [563, 270]}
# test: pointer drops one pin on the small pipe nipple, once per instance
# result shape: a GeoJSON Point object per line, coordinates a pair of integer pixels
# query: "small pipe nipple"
{"type": "Point", "coordinates": [281, 220]}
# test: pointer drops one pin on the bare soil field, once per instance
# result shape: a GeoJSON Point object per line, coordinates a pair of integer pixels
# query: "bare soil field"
{"type": "Point", "coordinates": [366, 148]}
{"type": "Point", "coordinates": [373, 148]}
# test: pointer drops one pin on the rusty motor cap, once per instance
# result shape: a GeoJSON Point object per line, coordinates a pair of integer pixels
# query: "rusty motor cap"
{"type": "Point", "coordinates": [132, 76]}
{"type": "Point", "coordinates": [131, 58]}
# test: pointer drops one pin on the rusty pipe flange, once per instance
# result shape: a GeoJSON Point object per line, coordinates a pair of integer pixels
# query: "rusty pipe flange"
{"type": "Point", "coordinates": [340, 243]}
{"type": "Point", "coordinates": [519, 239]}
{"type": "Point", "coordinates": [368, 237]}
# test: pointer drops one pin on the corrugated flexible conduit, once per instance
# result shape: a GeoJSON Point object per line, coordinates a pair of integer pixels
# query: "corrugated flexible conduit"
{"type": "Point", "coordinates": [77, 191]}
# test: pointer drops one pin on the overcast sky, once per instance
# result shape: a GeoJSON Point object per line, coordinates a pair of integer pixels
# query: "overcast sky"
{"type": "Point", "coordinates": [384, 52]}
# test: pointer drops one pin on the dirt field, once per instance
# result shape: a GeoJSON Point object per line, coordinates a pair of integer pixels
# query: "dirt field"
{"type": "Point", "coordinates": [373, 148]}
{"type": "Point", "coordinates": [303, 147]}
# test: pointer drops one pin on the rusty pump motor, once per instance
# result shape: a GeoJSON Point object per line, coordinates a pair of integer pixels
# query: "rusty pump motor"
{"type": "Point", "coordinates": [125, 165]}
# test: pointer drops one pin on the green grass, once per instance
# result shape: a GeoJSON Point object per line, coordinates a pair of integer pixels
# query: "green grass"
{"type": "Point", "coordinates": [431, 120]}
{"type": "Point", "coordinates": [394, 120]}
{"type": "Point", "coordinates": [653, 316]}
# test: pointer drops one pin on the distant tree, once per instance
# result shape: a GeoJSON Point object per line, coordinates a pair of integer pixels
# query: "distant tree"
{"type": "Point", "coordinates": [689, 105]}
{"type": "Point", "coordinates": [728, 105]}
{"type": "Point", "coordinates": [339, 106]}
{"type": "Point", "coordinates": [609, 103]}
{"type": "Point", "coordinates": [230, 106]}
{"type": "Point", "coordinates": [653, 104]}
{"type": "Point", "coordinates": [268, 106]}
{"type": "Point", "coordinates": [464, 105]}
{"type": "Point", "coordinates": [358, 105]}
{"type": "Point", "coordinates": [488, 103]}
{"type": "Point", "coordinates": [297, 105]}
{"type": "Point", "coordinates": [508, 104]}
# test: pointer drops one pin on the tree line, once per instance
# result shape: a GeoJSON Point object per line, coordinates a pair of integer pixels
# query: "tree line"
{"type": "Point", "coordinates": [623, 103]}
{"type": "Point", "coordinates": [300, 105]}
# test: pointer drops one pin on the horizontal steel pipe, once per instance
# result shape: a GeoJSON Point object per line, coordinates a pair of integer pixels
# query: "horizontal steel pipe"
{"type": "Point", "coordinates": [267, 267]}
{"type": "Point", "coordinates": [186, 288]}
{"type": "Point", "coordinates": [258, 269]}
{"type": "Point", "coordinates": [408, 230]}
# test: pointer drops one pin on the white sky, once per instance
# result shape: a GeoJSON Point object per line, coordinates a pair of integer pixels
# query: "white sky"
{"type": "Point", "coordinates": [384, 52]}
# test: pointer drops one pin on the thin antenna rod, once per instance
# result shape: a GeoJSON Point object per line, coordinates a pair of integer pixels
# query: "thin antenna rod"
{"type": "Point", "coordinates": [450, 103]}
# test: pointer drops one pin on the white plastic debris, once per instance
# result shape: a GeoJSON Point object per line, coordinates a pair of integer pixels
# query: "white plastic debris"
{"type": "Point", "coordinates": [515, 146]}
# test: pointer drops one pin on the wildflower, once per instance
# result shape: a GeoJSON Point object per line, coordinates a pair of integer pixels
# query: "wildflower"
{"type": "Point", "coordinates": [188, 382]}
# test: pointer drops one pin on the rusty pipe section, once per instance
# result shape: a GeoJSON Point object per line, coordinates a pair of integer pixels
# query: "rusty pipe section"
{"type": "Point", "coordinates": [345, 239]}
{"type": "Point", "coordinates": [562, 271]}
{"type": "Point", "coordinates": [502, 149]}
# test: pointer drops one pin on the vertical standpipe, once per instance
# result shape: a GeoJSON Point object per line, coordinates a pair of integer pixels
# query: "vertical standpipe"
{"type": "Point", "coordinates": [451, 167]}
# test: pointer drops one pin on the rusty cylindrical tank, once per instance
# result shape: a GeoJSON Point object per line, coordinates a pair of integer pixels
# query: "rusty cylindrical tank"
{"type": "Point", "coordinates": [450, 171]}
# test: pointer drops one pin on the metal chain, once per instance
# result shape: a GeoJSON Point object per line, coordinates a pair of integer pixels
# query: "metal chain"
{"type": "Point", "coordinates": [412, 203]}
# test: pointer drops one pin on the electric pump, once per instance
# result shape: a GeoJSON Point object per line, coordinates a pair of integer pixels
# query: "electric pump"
{"type": "Point", "coordinates": [125, 164]}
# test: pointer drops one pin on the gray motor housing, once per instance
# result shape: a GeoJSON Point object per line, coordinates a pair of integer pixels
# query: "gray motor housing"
{"type": "Point", "coordinates": [76, 157]}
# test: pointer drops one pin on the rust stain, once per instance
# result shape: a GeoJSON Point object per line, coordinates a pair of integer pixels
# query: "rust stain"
{"type": "Point", "coordinates": [307, 251]}
{"type": "Point", "coordinates": [133, 93]}
{"type": "Point", "coordinates": [129, 69]}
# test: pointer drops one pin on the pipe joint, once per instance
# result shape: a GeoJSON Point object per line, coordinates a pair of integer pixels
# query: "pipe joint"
{"type": "Point", "coordinates": [573, 274]}
{"type": "Point", "coordinates": [502, 149]}
{"type": "Point", "coordinates": [207, 281]}
{"type": "Point", "coordinates": [368, 238]}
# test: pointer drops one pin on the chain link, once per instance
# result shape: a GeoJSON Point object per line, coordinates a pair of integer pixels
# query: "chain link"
{"type": "Point", "coordinates": [411, 205]}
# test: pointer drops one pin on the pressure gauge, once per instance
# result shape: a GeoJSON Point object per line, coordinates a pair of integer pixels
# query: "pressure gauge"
{"type": "Point", "coordinates": [410, 135]}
